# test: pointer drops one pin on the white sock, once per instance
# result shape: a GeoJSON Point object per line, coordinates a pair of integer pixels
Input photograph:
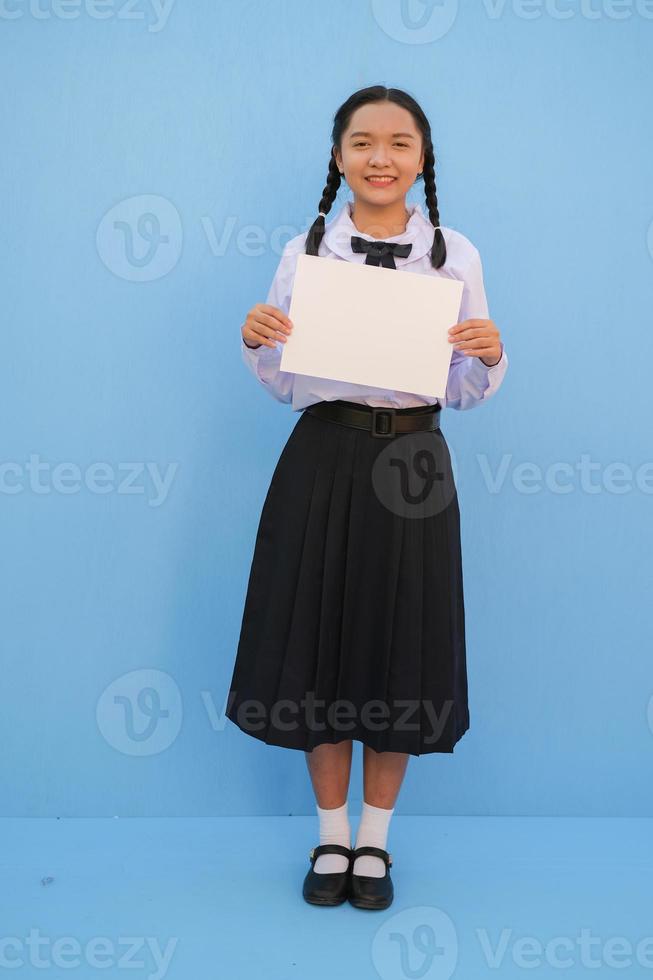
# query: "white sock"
{"type": "Point", "coordinates": [372, 832]}
{"type": "Point", "coordinates": [334, 829]}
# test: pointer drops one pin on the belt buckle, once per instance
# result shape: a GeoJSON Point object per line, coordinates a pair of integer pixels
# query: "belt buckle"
{"type": "Point", "coordinates": [376, 412]}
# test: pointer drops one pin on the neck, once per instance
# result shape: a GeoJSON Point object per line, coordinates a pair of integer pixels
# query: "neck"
{"type": "Point", "coordinates": [380, 220]}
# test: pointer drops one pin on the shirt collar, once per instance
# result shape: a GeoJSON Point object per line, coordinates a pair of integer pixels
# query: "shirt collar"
{"type": "Point", "coordinates": [419, 232]}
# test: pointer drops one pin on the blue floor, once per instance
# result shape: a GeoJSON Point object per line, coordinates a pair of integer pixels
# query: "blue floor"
{"type": "Point", "coordinates": [193, 899]}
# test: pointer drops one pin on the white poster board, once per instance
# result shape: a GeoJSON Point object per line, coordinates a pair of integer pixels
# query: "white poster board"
{"type": "Point", "coordinates": [371, 326]}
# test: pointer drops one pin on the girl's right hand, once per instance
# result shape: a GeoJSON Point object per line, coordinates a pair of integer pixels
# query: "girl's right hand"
{"type": "Point", "coordinates": [264, 325]}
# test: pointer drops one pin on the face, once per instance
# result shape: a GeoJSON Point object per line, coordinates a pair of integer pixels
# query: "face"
{"type": "Point", "coordinates": [382, 139]}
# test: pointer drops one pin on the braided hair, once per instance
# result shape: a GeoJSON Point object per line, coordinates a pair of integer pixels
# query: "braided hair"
{"type": "Point", "coordinates": [379, 93]}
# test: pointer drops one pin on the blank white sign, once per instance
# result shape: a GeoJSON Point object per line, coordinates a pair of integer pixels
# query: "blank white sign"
{"type": "Point", "coordinates": [371, 326]}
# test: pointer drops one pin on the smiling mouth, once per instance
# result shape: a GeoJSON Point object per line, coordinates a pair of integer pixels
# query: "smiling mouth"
{"type": "Point", "coordinates": [380, 180]}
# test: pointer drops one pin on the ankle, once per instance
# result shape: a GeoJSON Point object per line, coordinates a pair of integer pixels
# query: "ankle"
{"type": "Point", "coordinates": [372, 832]}
{"type": "Point", "coordinates": [334, 829]}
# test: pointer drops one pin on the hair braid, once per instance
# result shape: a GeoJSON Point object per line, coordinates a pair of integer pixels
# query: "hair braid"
{"type": "Point", "coordinates": [316, 231]}
{"type": "Point", "coordinates": [439, 248]}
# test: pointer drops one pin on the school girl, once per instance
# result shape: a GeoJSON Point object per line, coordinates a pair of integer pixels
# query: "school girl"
{"type": "Point", "coordinates": [353, 624]}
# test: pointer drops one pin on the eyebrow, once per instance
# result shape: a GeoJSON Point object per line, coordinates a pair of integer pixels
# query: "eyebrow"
{"type": "Point", "coordinates": [360, 133]}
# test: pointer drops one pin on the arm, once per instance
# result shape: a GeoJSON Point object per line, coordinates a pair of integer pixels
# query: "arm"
{"type": "Point", "coordinates": [470, 380]}
{"type": "Point", "coordinates": [264, 361]}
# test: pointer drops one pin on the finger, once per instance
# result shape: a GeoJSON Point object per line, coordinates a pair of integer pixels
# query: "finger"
{"type": "Point", "coordinates": [270, 327]}
{"type": "Point", "coordinates": [464, 324]}
{"type": "Point", "coordinates": [480, 339]}
{"type": "Point", "coordinates": [262, 333]}
{"type": "Point", "coordinates": [275, 312]}
{"type": "Point", "coordinates": [470, 333]}
{"type": "Point", "coordinates": [272, 321]}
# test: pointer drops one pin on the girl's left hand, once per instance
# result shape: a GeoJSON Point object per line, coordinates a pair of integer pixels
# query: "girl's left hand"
{"type": "Point", "coordinates": [477, 338]}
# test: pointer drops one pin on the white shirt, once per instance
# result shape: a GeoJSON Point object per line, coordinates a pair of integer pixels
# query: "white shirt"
{"type": "Point", "coordinates": [469, 382]}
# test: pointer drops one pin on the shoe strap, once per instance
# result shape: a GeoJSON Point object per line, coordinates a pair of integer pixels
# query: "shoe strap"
{"type": "Point", "coordinates": [374, 852]}
{"type": "Point", "coordinates": [329, 849]}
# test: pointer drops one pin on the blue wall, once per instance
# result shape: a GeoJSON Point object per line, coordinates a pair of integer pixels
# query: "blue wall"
{"type": "Point", "coordinates": [137, 449]}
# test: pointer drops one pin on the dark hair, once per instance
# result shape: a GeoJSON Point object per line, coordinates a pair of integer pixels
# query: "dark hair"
{"type": "Point", "coordinates": [379, 93]}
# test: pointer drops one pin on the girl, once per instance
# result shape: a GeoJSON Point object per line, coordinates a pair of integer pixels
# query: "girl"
{"type": "Point", "coordinates": [353, 626]}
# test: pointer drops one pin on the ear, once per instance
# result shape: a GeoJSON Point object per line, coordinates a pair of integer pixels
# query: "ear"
{"type": "Point", "coordinates": [337, 157]}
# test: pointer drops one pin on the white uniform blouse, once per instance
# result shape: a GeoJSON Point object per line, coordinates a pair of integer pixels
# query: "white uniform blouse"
{"type": "Point", "coordinates": [469, 382]}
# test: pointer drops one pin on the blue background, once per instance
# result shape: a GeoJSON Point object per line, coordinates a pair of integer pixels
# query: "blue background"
{"type": "Point", "coordinates": [222, 114]}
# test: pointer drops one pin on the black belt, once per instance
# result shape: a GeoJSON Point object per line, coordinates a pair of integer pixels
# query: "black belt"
{"type": "Point", "coordinates": [381, 422]}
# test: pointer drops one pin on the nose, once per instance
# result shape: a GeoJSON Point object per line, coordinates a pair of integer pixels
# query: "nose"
{"type": "Point", "coordinates": [379, 157]}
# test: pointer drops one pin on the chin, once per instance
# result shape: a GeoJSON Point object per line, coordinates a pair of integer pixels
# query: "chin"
{"type": "Point", "coordinates": [375, 196]}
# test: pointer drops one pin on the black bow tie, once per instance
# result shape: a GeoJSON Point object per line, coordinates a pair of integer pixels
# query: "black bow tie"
{"type": "Point", "coordinates": [380, 253]}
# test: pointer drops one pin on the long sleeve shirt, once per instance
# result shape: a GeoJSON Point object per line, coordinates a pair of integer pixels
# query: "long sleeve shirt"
{"type": "Point", "coordinates": [469, 382]}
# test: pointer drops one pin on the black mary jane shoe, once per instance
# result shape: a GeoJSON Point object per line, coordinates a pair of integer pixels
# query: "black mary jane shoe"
{"type": "Point", "coordinates": [366, 891]}
{"type": "Point", "coordinates": [331, 888]}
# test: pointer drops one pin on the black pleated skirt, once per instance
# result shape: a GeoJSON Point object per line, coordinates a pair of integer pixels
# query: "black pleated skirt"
{"type": "Point", "coordinates": [353, 624]}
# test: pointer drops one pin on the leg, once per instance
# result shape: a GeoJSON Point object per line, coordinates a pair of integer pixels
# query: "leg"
{"type": "Point", "coordinates": [383, 774]}
{"type": "Point", "coordinates": [330, 767]}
